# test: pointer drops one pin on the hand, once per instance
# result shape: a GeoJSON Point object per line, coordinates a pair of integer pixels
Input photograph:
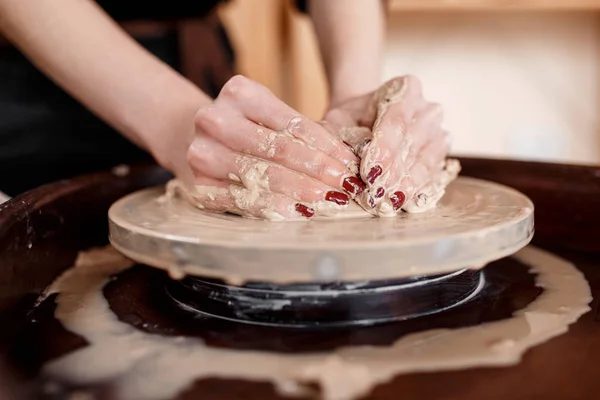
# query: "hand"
{"type": "Point", "coordinates": [402, 147]}
{"type": "Point", "coordinates": [255, 156]}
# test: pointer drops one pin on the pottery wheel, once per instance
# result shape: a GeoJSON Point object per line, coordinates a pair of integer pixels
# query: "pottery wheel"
{"type": "Point", "coordinates": [475, 223]}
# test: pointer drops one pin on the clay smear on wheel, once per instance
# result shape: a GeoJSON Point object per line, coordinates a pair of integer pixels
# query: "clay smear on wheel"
{"type": "Point", "coordinates": [147, 366]}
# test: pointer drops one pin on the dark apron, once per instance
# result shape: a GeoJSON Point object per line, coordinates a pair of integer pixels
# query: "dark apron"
{"type": "Point", "coordinates": [45, 135]}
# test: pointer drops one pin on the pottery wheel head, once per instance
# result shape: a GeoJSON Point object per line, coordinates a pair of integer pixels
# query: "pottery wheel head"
{"type": "Point", "coordinates": [475, 223]}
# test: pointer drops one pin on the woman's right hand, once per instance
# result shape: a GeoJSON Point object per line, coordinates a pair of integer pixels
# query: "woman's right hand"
{"type": "Point", "coordinates": [255, 156]}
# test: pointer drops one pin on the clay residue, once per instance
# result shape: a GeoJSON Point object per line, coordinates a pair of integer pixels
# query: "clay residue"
{"type": "Point", "coordinates": [423, 191]}
{"type": "Point", "coordinates": [429, 195]}
{"type": "Point", "coordinates": [145, 366]}
{"type": "Point", "coordinates": [250, 186]}
{"type": "Point", "coordinates": [4, 198]}
{"type": "Point", "coordinates": [475, 223]}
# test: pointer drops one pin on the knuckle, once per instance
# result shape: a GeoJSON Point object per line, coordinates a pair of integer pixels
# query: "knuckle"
{"type": "Point", "coordinates": [208, 119]}
{"type": "Point", "coordinates": [198, 155]}
{"type": "Point", "coordinates": [283, 150]}
{"type": "Point", "coordinates": [436, 108]}
{"type": "Point", "coordinates": [435, 113]}
{"type": "Point", "coordinates": [414, 84]}
{"type": "Point", "coordinates": [236, 87]}
{"type": "Point", "coordinates": [411, 78]}
{"type": "Point", "coordinates": [322, 169]}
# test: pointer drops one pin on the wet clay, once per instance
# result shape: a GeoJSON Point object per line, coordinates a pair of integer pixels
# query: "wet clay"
{"type": "Point", "coordinates": [148, 366]}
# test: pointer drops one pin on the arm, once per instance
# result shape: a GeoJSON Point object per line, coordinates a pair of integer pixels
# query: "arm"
{"type": "Point", "coordinates": [351, 36]}
{"type": "Point", "coordinates": [237, 147]}
{"type": "Point", "coordinates": [85, 52]}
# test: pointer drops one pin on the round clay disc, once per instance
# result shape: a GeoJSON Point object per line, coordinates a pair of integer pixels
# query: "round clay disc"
{"type": "Point", "coordinates": [475, 223]}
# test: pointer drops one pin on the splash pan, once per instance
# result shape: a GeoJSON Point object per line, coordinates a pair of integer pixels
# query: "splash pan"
{"type": "Point", "coordinates": [326, 305]}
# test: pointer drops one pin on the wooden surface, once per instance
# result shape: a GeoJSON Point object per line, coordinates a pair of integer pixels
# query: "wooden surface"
{"type": "Point", "coordinates": [257, 31]}
{"type": "Point", "coordinates": [535, 60]}
{"type": "Point", "coordinates": [305, 73]}
{"type": "Point", "coordinates": [41, 232]}
{"type": "Point", "coordinates": [566, 199]}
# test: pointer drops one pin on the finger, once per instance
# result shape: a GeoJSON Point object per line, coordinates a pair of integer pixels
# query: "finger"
{"type": "Point", "coordinates": [424, 130]}
{"type": "Point", "coordinates": [428, 195]}
{"type": "Point", "coordinates": [399, 101]}
{"type": "Point", "coordinates": [220, 196]}
{"type": "Point", "coordinates": [357, 137]}
{"type": "Point", "coordinates": [404, 184]}
{"type": "Point", "coordinates": [425, 139]}
{"type": "Point", "coordinates": [425, 127]}
{"type": "Point", "coordinates": [260, 105]}
{"type": "Point", "coordinates": [244, 136]}
{"type": "Point", "coordinates": [430, 159]}
{"type": "Point", "coordinates": [210, 158]}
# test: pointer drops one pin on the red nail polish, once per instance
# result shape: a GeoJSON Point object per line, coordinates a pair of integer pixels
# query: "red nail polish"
{"type": "Point", "coordinates": [397, 200]}
{"type": "Point", "coordinates": [337, 197]}
{"type": "Point", "coordinates": [373, 174]}
{"type": "Point", "coordinates": [379, 193]}
{"type": "Point", "coordinates": [353, 185]}
{"type": "Point", "coordinates": [347, 144]}
{"type": "Point", "coordinates": [305, 211]}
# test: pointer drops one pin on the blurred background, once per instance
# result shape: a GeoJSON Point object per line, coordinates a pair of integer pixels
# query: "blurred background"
{"type": "Point", "coordinates": [517, 78]}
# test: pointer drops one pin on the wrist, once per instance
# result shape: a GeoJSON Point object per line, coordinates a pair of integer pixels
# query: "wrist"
{"type": "Point", "coordinates": [353, 79]}
{"type": "Point", "coordinates": [168, 133]}
{"type": "Point", "coordinates": [344, 94]}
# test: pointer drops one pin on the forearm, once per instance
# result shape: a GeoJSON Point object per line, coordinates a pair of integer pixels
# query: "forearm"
{"type": "Point", "coordinates": [351, 37]}
{"type": "Point", "coordinates": [78, 46]}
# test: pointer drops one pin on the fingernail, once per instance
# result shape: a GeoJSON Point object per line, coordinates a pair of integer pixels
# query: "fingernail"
{"type": "Point", "coordinates": [371, 202]}
{"type": "Point", "coordinates": [373, 174]}
{"type": "Point", "coordinates": [293, 125]}
{"type": "Point", "coordinates": [379, 193]}
{"type": "Point", "coordinates": [422, 199]}
{"type": "Point", "coordinates": [397, 200]}
{"type": "Point", "coordinates": [347, 144]}
{"type": "Point", "coordinates": [353, 185]}
{"type": "Point", "coordinates": [337, 197]}
{"type": "Point", "coordinates": [305, 211]}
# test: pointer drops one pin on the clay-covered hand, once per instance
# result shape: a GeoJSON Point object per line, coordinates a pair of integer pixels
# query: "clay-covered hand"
{"type": "Point", "coordinates": [255, 156]}
{"type": "Point", "coordinates": [402, 146]}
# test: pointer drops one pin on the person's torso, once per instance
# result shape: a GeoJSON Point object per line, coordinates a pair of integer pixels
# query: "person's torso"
{"type": "Point", "coordinates": [123, 10]}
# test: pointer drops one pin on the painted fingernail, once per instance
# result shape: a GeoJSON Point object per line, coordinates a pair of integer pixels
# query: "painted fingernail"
{"type": "Point", "coordinates": [353, 185]}
{"type": "Point", "coordinates": [379, 193]}
{"type": "Point", "coordinates": [373, 174]}
{"type": "Point", "coordinates": [337, 197]}
{"type": "Point", "coordinates": [397, 200]}
{"type": "Point", "coordinates": [305, 211]}
{"type": "Point", "coordinates": [347, 144]}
